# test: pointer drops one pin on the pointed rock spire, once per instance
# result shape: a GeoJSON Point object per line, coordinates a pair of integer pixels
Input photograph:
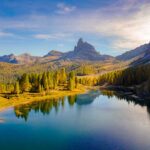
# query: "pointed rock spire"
{"type": "Point", "coordinates": [80, 42]}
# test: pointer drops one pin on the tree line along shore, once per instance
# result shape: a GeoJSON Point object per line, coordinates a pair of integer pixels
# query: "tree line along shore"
{"type": "Point", "coordinates": [47, 83]}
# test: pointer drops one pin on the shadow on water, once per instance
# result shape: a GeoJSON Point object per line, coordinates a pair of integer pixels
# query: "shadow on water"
{"type": "Point", "coordinates": [127, 98]}
{"type": "Point", "coordinates": [46, 106]}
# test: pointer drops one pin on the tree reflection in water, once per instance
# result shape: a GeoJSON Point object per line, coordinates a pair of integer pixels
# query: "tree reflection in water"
{"type": "Point", "coordinates": [46, 106]}
{"type": "Point", "coordinates": [128, 98]}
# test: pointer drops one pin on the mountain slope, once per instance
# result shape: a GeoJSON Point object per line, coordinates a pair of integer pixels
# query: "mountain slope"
{"type": "Point", "coordinates": [143, 60]}
{"type": "Point", "coordinates": [8, 58]}
{"type": "Point", "coordinates": [26, 58]}
{"type": "Point", "coordinates": [54, 53]}
{"type": "Point", "coordinates": [21, 59]}
{"type": "Point", "coordinates": [135, 54]}
{"type": "Point", "coordinates": [85, 51]}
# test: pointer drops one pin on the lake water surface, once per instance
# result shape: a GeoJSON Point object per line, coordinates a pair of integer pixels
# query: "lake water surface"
{"type": "Point", "coordinates": [93, 121]}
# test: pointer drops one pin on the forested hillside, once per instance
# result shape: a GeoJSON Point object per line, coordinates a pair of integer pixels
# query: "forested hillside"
{"type": "Point", "coordinates": [10, 72]}
{"type": "Point", "coordinates": [41, 83]}
{"type": "Point", "coordinates": [83, 65]}
{"type": "Point", "coordinates": [136, 77]}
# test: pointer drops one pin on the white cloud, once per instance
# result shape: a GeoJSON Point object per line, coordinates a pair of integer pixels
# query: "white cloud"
{"type": "Point", "coordinates": [5, 34]}
{"type": "Point", "coordinates": [127, 30]}
{"type": "Point", "coordinates": [51, 36]}
{"type": "Point", "coordinates": [128, 26]}
{"type": "Point", "coordinates": [42, 36]}
{"type": "Point", "coordinates": [65, 9]}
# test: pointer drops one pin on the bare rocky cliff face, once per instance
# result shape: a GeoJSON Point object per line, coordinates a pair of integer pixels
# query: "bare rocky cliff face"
{"type": "Point", "coordinates": [85, 48]}
{"type": "Point", "coordinates": [85, 51]}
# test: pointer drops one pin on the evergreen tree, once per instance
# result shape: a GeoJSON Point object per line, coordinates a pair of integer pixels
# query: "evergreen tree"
{"type": "Point", "coordinates": [45, 81]}
{"type": "Point", "coordinates": [50, 80]}
{"type": "Point", "coordinates": [76, 82]}
{"type": "Point", "coordinates": [63, 76]}
{"type": "Point", "coordinates": [25, 84]}
{"type": "Point", "coordinates": [16, 88]}
{"type": "Point", "coordinates": [56, 79]}
{"type": "Point", "coordinates": [71, 85]}
{"type": "Point", "coordinates": [40, 88]}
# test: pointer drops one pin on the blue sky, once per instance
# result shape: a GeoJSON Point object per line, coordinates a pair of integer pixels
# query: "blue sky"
{"type": "Point", "coordinates": [38, 26]}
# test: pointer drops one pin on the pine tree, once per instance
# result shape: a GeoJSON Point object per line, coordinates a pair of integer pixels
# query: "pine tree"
{"type": "Point", "coordinates": [76, 82]}
{"type": "Point", "coordinates": [50, 80]}
{"type": "Point", "coordinates": [16, 88]}
{"type": "Point", "coordinates": [56, 79]}
{"type": "Point", "coordinates": [40, 88]}
{"type": "Point", "coordinates": [45, 81]}
{"type": "Point", "coordinates": [71, 85]}
{"type": "Point", "coordinates": [25, 84]}
{"type": "Point", "coordinates": [63, 76]}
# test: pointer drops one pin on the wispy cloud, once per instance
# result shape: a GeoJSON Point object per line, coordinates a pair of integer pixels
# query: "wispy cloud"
{"type": "Point", "coordinates": [128, 28]}
{"type": "Point", "coordinates": [63, 8]}
{"type": "Point", "coordinates": [6, 34]}
{"type": "Point", "coordinates": [51, 36]}
{"type": "Point", "coordinates": [126, 23]}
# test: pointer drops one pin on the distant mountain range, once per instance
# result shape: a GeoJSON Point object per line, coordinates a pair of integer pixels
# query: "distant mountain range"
{"type": "Point", "coordinates": [139, 55]}
{"type": "Point", "coordinates": [21, 59]}
{"type": "Point", "coordinates": [82, 51]}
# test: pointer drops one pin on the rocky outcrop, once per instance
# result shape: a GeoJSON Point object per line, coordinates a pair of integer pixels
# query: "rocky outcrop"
{"type": "Point", "coordinates": [85, 51]}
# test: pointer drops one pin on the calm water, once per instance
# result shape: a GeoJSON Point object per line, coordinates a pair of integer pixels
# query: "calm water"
{"type": "Point", "coordinates": [97, 120]}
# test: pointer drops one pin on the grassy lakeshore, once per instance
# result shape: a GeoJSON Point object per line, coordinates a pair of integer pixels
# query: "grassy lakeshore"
{"type": "Point", "coordinates": [32, 97]}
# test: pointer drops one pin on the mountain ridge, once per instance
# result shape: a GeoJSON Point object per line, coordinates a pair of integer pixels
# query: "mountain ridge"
{"type": "Point", "coordinates": [137, 52]}
{"type": "Point", "coordinates": [83, 51]}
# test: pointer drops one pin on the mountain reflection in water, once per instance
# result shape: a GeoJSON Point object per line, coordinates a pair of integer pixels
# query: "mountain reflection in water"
{"type": "Point", "coordinates": [45, 107]}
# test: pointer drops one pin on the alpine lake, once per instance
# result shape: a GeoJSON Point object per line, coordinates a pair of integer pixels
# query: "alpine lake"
{"type": "Point", "coordinates": [92, 121]}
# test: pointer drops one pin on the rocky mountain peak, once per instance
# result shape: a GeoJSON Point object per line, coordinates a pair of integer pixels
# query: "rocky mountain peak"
{"type": "Point", "coordinates": [85, 51]}
{"type": "Point", "coordinates": [82, 51]}
{"type": "Point", "coordinates": [84, 47]}
{"type": "Point", "coordinates": [80, 42]}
